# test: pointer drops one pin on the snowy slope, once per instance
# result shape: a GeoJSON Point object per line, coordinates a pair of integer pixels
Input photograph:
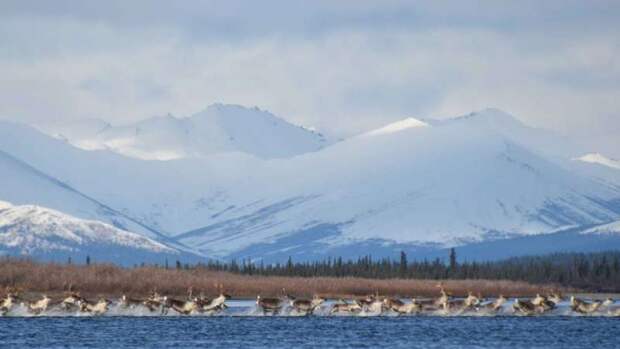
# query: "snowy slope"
{"type": "Point", "coordinates": [80, 132]}
{"type": "Point", "coordinates": [23, 184]}
{"type": "Point", "coordinates": [612, 228]}
{"type": "Point", "coordinates": [37, 231]}
{"type": "Point", "coordinates": [217, 129]}
{"type": "Point", "coordinates": [424, 184]}
{"type": "Point", "coordinates": [449, 184]}
{"type": "Point", "coordinates": [596, 158]}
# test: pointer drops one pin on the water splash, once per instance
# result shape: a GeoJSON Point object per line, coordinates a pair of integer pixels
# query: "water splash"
{"type": "Point", "coordinates": [247, 308]}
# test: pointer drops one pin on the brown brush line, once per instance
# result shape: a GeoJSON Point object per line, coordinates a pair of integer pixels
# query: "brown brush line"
{"type": "Point", "coordinates": [111, 280]}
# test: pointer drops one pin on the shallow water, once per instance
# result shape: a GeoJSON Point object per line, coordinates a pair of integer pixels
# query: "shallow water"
{"type": "Point", "coordinates": [310, 332]}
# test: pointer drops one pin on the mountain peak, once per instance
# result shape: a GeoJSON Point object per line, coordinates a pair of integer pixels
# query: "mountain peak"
{"type": "Point", "coordinates": [490, 117]}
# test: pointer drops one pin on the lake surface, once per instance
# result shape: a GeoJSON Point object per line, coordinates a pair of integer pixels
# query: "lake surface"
{"type": "Point", "coordinates": [310, 332]}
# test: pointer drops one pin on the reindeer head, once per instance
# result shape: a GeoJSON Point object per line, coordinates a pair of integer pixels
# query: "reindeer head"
{"type": "Point", "coordinates": [609, 301]}
{"type": "Point", "coordinates": [316, 300]}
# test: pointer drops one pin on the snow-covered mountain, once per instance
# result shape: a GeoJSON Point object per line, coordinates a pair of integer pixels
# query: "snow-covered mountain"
{"type": "Point", "coordinates": [420, 185]}
{"type": "Point", "coordinates": [218, 129]}
{"type": "Point", "coordinates": [23, 184]}
{"type": "Point", "coordinates": [35, 231]}
{"type": "Point", "coordinates": [452, 183]}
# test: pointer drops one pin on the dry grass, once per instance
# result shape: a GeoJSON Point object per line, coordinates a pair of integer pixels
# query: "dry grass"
{"type": "Point", "coordinates": [111, 280]}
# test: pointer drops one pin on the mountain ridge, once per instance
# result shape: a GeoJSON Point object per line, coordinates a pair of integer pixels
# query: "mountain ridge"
{"type": "Point", "coordinates": [217, 129]}
{"type": "Point", "coordinates": [478, 178]}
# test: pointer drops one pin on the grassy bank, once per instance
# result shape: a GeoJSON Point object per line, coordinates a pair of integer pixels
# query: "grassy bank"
{"type": "Point", "coordinates": [105, 279]}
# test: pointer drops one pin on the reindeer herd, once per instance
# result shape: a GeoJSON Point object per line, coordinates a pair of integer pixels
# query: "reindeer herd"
{"type": "Point", "coordinates": [444, 304]}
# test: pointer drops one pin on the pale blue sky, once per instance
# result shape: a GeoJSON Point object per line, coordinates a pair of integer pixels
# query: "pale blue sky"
{"type": "Point", "coordinates": [340, 66]}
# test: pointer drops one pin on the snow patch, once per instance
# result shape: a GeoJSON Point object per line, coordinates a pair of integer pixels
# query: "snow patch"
{"type": "Point", "coordinates": [398, 126]}
{"type": "Point", "coordinates": [612, 228]}
{"type": "Point", "coordinates": [597, 158]}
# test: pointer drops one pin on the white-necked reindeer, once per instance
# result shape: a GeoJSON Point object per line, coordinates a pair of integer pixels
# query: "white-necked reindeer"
{"type": "Point", "coordinates": [584, 307]}
{"type": "Point", "coordinates": [401, 307]}
{"type": "Point", "coordinates": [185, 307]}
{"type": "Point", "coordinates": [129, 303]}
{"type": "Point", "coordinates": [98, 308]}
{"type": "Point", "coordinates": [7, 303]}
{"type": "Point", "coordinates": [494, 306]}
{"type": "Point", "coordinates": [155, 301]}
{"type": "Point", "coordinates": [216, 304]}
{"type": "Point", "coordinates": [305, 306]}
{"type": "Point", "coordinates": [39, 306]}
{"type": "Point", "coordinates": [344, 307]}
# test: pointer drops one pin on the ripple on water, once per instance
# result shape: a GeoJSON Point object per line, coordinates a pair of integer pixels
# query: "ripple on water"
{"type": "Point", "coordinates": [311, 332]}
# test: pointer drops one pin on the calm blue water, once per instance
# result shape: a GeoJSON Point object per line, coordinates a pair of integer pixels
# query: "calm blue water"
{"type": "Point", "coordinates": [311, 332]}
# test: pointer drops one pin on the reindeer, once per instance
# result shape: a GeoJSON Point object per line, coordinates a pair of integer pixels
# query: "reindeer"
{"type": "Point", "coordinates": [584, 307]}
{"type": "Point", "coordinates": [344, 307]}
{"type": "Point", "coordinates": [156, 302]}
{"type": "Point", "coordinates": [525, 307]}
{"type": "Point", "coordinates": [305, 306]}
{"type": "Point", "coordinates": [439, 303]}
{"type": "Point", "coordinates": [131, 303]}
{"type": "Point", "coordinates": [392, 303]}
{"type": "Point", "coordinates": [367, 301]}
{"type": "Point", "coordinates": [543, 303]}
{"type": "Point", "coordinates": [214, 305]}
{"type": "Point", "coordinates": [375, 307]}
{"type": "Point", "coordinates": [99, 308]}
{"type": "Point", "coordinates": [183, 307]}
{"type": "Point", "coordinates": [494, 306]}
{"type": "Point", "coordinates": [39, 306]}
{"type": "Point", "coordinates": [461, 305]}
{"type": "Point", "coordinates": [72, 301]}
{"type": "Point", "coordinates": [555, 297]}
{"type": "Point", "coordinates": [8, 302]}
{"type": "Point", "coordinates": [372, 303]}
{"type": "Point", "coordinates": [269, 305]}
{"type": "Point", "coordinates": [401, 307]}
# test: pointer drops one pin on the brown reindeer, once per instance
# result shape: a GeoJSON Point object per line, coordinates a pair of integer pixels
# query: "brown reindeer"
{"type": "Point", "coordinates": [72, 301]}
{"type": "Point", "coordinates": [343, 307]}
{"type": "Point", "coordinates": [269, 305]}
{"type": "Point", "coordinates": [461, 305]}
{"type": "Point", "coordinates": [131, 303]}
{"type": "Point", "coordinates": [583, 307]}
{"type": "Point", "coordinates": [543, 303]}
{"type": "Point", "coordinates": [305, 306]}
{"type": "Point", "coordinates": [401, 307]}
{"type": "Point", "coordinates": [185, 307]}
{"type": "Point", "coordinates": [155, 301]}
{"type": "Point", "coordinates": [526, 307]}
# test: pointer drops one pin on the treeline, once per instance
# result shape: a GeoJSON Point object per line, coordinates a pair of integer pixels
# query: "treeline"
{"type": "Point", "coordinates": [592, 271]}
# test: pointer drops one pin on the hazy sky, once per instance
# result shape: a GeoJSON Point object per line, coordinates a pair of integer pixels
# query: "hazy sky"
{"type": "Point", "coordinates": [340, 66]}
